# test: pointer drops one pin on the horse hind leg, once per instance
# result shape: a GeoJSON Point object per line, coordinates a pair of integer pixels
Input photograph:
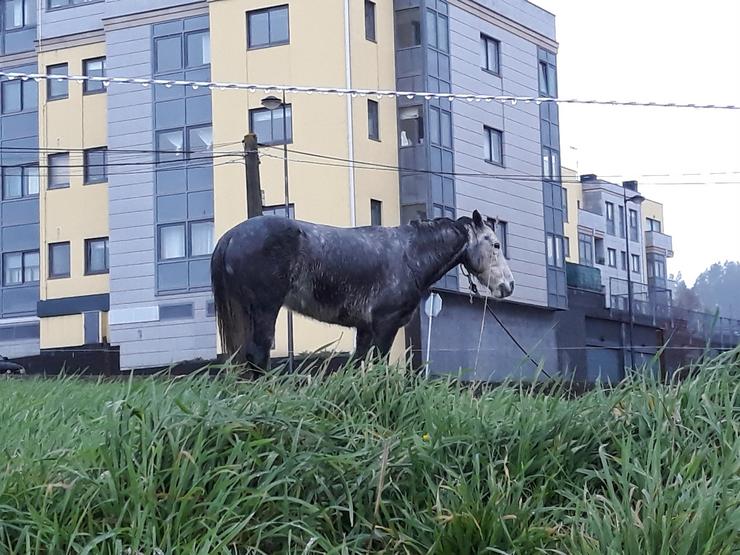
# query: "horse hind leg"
{"type": "Point", "coordinates": [263, 334]}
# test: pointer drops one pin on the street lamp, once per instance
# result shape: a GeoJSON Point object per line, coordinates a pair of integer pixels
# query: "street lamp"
{"type": "Point", "coordinates": [273, 103]}
{"type": "Point", "coordinates": [638, 199]}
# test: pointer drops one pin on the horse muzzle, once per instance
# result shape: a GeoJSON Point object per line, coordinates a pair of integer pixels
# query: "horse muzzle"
{"type": "Point", "coordinates": [506, 290]}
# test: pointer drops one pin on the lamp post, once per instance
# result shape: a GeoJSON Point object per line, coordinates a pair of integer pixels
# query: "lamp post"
{"type": "Point", "coordinates": [637, 199]}
{"type": "Point", "coordinates": [273, 103]}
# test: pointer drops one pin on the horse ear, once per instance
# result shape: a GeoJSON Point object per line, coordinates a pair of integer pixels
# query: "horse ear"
{"type": "Point", "coordinates": [492, 222]}
{"type": "Point", "coordinates": [477, 219]}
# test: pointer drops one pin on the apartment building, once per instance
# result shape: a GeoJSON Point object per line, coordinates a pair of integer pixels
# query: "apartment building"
{"type": "Point", "coordinates": [117, 192]}
{"type": "Point", "coordinates": [602, 216]}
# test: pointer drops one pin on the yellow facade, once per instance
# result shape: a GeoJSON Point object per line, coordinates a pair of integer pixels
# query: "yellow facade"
{"type": "Point", "coordinates": [652, 210]}
{"type": "Point", "coordinates": [78, 212]}
{"type": "Point", "coordinates": [323, 191]}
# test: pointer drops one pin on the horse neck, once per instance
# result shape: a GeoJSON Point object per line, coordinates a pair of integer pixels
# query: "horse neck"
{"type": "Point", "coordinates": [435, 248]}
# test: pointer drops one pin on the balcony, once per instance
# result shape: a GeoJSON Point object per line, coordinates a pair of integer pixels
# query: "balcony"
{"type": "Point", "coordinates": [591, 220]}
{"type": "Point", "coordinates": [656, 240]}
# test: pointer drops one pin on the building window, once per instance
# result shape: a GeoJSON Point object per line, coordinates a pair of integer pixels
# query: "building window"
{"type": "Point", "coordinates": [20, 268]}
{"type": "Point", "coordinates": [373, 123]}
{"type": "Point", "coordinates": [95, 161]}
{"type": "Point", "coordinates": [610, 223]}
{"type": "Point", "coordinates": [555, 251]}
{"type": "Point", "coordinates": [586, 249]}
{"type": "Point", "coordinates": [634, 226]}
{"type": "Point", "coordinates": [59, 260]}
{"type": "Point", "coordinates": [548, 85]}
{"type": "Point", "coordinates": [19, 14]}
{"type": "Point", "coordinates": [58, 170]}
{"type": "Point", "coordinates": [268, 27]}
{"type": "Point", "coordinates": [621, 222]}
{"type": "Point", "coordinates": [612, 254]}
{"type": "Point", "coordinates": [411, 126]}
{"type": "Point", "coordinates": [636, 263]}
{"type": "Point", "coordinates": [94, 67]}
{"type": "Point", "coordinates": [599, 255]}
{"type": "Point", "coordinates": [268, 125]}
{"type": "Point", "coordinates": [565, 205]}
{"type": "Point", "coordinates": [376, 212]}
{"type": "Point", "coordinates": [66, 3]}
{"type": "Point", "coordinates": [550, 164]}
{"type": "Point", "coordinates": [654, 225]}
{"type": "Point", "coordinates": [201, 238]}
{"type": "Point", "coordinates": [172, 242]}
{"type": "Point", "coordinates": [197, 49]}
{"type": "Point", "coordinates": [200, 141]}
{"type": "Point", "coordinates": [168, 53]}
{"type": "Point", "coordinates": [437, 31]}
{"type": "Point", "coordinates": [279, 210]}
{"type": "Point", "coordinates": [623, 256]}
{"type": "Point", "coordinates": [502, 233]}
{"type": "Point", "coordinates": [171, 144]}
{"type": "Point", "coordinates": [12, 96]}
{"type": "Point", "coordinates": [408, 28]}
{"type": "Point", "coordinates": [491, 54]}
{"type": "Point", "coordinates": [494, 147]}
{"type": "Point", "coordinates": [370, 20]}
{"type": "Point", "coordinates": [20, 181]}
{"type": "Point", "coordinates": [57, 88]}
{"type": "Point", "coordinates": [96, 256]}
{"type": "Point", "coordinates": [440, 127]}
{"type": "Point", "coordinates": [566, 242]}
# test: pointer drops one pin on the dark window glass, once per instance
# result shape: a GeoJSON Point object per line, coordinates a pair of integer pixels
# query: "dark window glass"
{"type": "Point", "coordinates": [96, 160]}
{"type": "Point", "coordinates": [494, 148]}
{"type": "Point", "coordinates": [268, 27]}
{"type": "Point", "coordinates": [59, 260]}
{"type": "Point", "coordinates": [170, 145]}
{"type": "Point", "coordinates": [59, 170]}
{"type": "Point", "coordinates": [268, 124]}
{"type": "Point", "coordinates": [373, 124]}
{"type": "Point", "coordinates": [411, 126]}
{"type": "Point", "coordinates": [12, 183]}
{"type": "Point", "coordinates": [55, 88]}
{"type": "Point", "coordinates": [96, 256]}
{"type": "Point", "coordinates": [12, 96]}
{"type": "Point", "coordinates": [94, 67]}
{"type": "Point", "coordinates": [490, 54]}
{"type": "Point", "coordinates": [369, 20]}
{"type": "Point", "coordinates": [408, 28]}
{"type": "Point", "coordinates": [198, 49]}
{"type": "Point", "coordinates": [168, 53]}
{"type": "Point", "coordinates": [376, 212]}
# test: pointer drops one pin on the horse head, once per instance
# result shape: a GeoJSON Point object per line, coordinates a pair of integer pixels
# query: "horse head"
{"type": "Point", "coordinates": [484, 257]}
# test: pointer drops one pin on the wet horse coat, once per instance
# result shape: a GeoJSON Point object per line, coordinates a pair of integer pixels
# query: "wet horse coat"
{"type": "Point", "coordinates": [369, 278]}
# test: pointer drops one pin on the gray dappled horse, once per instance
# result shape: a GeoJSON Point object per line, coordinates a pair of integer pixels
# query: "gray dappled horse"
{"type": "Point", "coordinates": [369, 278]}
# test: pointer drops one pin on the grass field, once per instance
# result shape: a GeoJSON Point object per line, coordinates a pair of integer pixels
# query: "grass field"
{"type": "Point", "coordinates": [369, 462]}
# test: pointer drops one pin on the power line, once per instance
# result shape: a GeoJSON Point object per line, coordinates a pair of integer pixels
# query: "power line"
{"type": "Point", "coordinates": [522, 177]}
{"type": "Point", "coordinates": [411, 95]}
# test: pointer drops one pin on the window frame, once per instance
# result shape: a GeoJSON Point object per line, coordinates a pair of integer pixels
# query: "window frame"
{"type": "Point", "coordinates": [273, 210]}
{"type": "Point", "coordinates": [610, 218]}
{"type": "Point", "coordinates": [50, 165]}
{"type": "Point", "coordinates": [70, 4]}
{"type": "Point", "coordinates": [270, 43]}
{"type": "Point", "coordinates": [371, 23]}
{"type": "Point", "coordinates": [25, 10]}
{"type": "Point", "coordinates": [488, 133]}
{"type": "Point", "coordinates": [502, 233]}
{"type": "Point", "coordinates": [289, 128]}
{"type": "Point", "coordinates": [485, 41]}
{"type": "Point", "coordinates": [375, 203]}
{"type": "Point", "coordinates": [611, 255]}
{"type": "Point", "coordinates": [88, 258]}
{"type": "Point", "coordinates": [51, 246]}
{"type": "Point", "coordinates": [94, 87]}
{"type": "Point", "coordinates": [24, 182]}
{"type": "Point", "coordinates": [11, 83]}
{"type": "Point", "coordinates": [636, 260]}
{"type": "Point", "coordinates": [51, 81]}
{"type": "Point", "coordinates": [23, 254]}
{"type": "Point", "coordinates": [160, 227]}
{"type": "Point", "coordinates": [189, 238]}
{"type": "Point", "coordinates": [86, 164]}
{"type": "Point", "coordinates": [373, 120]}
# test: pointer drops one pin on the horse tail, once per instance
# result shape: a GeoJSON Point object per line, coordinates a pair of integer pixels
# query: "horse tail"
{"type": "Point", "coordinates": [234, 325]}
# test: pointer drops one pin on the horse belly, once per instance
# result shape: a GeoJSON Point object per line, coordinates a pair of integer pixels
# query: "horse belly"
{"type": "Point", "coordinates": [325, 303]}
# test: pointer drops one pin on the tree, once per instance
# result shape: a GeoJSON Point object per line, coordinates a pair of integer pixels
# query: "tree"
{"type": "Point", "coordinates": [684, 297]}
{"type": "Point", "coordinates": [719, 287]}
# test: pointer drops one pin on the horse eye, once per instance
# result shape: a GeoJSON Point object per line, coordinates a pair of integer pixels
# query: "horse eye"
{"type": "Point", "coordinates": [497, 245]}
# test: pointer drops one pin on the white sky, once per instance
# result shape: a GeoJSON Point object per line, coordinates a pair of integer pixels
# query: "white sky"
{"type": "Point", "coordinates": [661, 50]}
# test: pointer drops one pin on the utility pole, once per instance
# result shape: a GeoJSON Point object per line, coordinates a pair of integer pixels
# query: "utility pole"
{"type": "Point", "coordinates": [252, 164]}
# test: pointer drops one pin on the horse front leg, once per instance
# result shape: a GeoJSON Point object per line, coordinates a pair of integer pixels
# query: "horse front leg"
{"type": "Point", "coordinates": [363, 344]}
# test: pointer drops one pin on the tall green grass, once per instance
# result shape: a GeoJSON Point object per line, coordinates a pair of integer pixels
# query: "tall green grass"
{"type": "Point", "coordinates": [369, 461]}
